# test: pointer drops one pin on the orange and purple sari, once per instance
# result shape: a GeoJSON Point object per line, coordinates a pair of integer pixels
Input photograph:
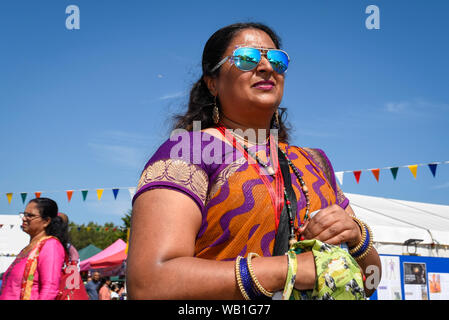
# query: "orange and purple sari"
{"type": "Point", "coordinates": [237, 213]}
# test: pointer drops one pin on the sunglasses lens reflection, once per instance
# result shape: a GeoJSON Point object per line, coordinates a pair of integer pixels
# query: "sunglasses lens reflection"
{"type": "Point", "coordinates": [246, 58]}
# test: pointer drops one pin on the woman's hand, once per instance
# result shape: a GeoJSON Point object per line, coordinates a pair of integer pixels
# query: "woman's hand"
{"type": "Point", "coordinates": [332, 225]}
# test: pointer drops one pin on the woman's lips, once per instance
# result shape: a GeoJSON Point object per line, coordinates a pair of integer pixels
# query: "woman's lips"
{"type": "Point", "coordinates": [264, 85]}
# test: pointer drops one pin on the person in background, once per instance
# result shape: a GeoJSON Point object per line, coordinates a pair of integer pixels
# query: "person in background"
{"type": "Point", "coordinates": [104, 292]}
{"type": "Point", "coordinates": [36, 272]}
{"type": "Point", "coordinates": [122, 292]}
{"type": "Point", "coordinates": [74, 257]}
{"type": "Point", "coordinates": [93, 286]}
{"type": "Point", "coordinates": [114, 292]}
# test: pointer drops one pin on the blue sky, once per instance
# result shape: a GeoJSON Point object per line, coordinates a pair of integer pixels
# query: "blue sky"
{"type": "Point", "coordinates": [85, 109]}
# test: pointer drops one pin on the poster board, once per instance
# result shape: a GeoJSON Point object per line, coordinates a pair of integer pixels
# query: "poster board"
{"type": "Point", "coordinates": [413, 278]}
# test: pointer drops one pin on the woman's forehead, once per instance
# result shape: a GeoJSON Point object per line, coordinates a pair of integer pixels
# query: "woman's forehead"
{"type": "Point", "coordinates": [32, 206]}
{"type": "Point", "coordinates": [252, 37]}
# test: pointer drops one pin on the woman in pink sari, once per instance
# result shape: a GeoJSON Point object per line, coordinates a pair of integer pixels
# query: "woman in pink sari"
{"type": "Point", "coordinates": [36, 272]}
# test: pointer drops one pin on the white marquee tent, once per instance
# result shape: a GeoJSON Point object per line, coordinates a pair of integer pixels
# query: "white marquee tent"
{"type": "Point", "coordinates": [392, 221]}
{"type": "Point", "coordinates": [12, 239]}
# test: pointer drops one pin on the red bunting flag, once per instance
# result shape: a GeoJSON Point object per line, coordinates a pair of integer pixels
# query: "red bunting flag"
{"type": "Point", "coordinates": [376, 173]}
{"type": "Point", "coordinates": [357, 175]}
{"type": "Point", "coordinates": [38, 194]}
{"type": "Point", "coordinates": [69, 194]}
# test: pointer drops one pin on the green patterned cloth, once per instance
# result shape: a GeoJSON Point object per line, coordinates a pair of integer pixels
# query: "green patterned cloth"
{"type": "Point", "coordinates": [338, 274]}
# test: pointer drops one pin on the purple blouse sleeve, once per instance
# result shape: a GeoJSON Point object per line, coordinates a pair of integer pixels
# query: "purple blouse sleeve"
{"type": "Point", "coordinates": [49, 268]}
{"type": "Point", "coordinates": [324, 163]}
{"type": "Point", "coordinates": [179, 165]}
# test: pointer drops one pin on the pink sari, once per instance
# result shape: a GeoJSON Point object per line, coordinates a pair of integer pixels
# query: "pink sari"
{"type": "Point", "coordinates": [36, 274]}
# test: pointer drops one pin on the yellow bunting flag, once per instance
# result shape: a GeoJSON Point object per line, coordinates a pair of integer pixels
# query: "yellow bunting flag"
{"type": "Point", "coordinates": [413, 169]}
{"type": "Point", "coordinates": [69, 194]}
{"type": "Point", "coordinates": [127, 241]}
{"type": "Point", "coordinates": [99, 193]}
{"type": "Point", "coordinates": [9, 195]}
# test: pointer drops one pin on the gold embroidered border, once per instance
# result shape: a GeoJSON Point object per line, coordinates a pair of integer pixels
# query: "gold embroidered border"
{"type": "Point", "coordinates": [179, 172]}
{"type": "Point", "coordinates": [223, 176]}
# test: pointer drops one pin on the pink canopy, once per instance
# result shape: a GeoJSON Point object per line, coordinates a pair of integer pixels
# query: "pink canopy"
{"type": "Point", "coordinates": [109, 256]}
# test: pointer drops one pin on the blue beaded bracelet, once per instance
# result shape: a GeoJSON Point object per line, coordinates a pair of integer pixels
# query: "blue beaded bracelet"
{"type": "Point", "coordinates": [247, 281]}
{"type": "Point", "coordinates": [365, 245]}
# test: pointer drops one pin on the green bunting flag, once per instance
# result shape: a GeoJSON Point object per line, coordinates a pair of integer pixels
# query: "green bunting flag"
{"type": "Point", "coordinates": [24, 196]}
{"type": "Point", "coordinates": [84, 192]}
{"type": "Point", "coordinates": [394, 172]}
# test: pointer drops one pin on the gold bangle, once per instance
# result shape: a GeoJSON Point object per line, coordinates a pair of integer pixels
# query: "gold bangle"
{"type": "Point", "coordinates": [239, 278]}
{"type": "Point", "coordinates": [370, 245]}
{"type": "Point", "coordinates": [253, 276]}
{"type": "Point", "coordinates": [360, 244]}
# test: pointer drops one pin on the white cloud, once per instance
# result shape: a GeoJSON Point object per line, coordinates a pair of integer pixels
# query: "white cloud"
{"type": "Point", "coordinates": [441, 186]}
{"type": "Point", "coordinates": [174, 95]}
{"type": "Point", "coordinates": [397, 107]}
{"type": "Point", "coordinates": [416, 107]}
{"type": "Point", "coordinates": [125, 149]}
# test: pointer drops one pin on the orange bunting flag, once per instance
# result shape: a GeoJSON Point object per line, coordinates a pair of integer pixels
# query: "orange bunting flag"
{"type": "Point", "coordinates": [69, 194]}
{"type": "Point", "coordinates": [413, 169]}
{"type": "Point", "coordinates": [9, 196]}
{"type": "Point", "coordinates": [99, 193]}
{"type": "Point", "coordinates": [357, 175]}
{"type": "Point", "coordinates": [376, 173]}
{"type": "Point", "coordinates": [38, 194]}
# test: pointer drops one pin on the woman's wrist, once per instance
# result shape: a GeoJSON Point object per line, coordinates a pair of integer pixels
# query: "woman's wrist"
{"type": "Point", "coordinates": [306, 274]}
{"type": "Point", "coordinates": [358, 237]}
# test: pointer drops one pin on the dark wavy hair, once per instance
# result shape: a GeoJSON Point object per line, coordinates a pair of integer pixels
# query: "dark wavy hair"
{"type": "Point", "coordinates": [201, 101]}
{"type": "Point", "coordinates": [57, 227]}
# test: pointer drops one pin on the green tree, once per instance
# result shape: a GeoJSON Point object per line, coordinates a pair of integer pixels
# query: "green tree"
{"type": "Point", "coordinates": [100, 236]}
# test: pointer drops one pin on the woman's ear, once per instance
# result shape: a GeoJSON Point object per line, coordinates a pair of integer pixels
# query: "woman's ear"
{"type": "Point", "coordinates": [211, 84]}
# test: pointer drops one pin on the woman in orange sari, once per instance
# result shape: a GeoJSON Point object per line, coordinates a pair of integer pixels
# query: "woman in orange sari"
{"type": "Point", "coordinates": [219, 205]}
{"type": "Point", "coordinates": [36, 272]}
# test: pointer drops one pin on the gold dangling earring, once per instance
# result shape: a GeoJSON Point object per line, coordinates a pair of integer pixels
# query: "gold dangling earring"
{"type": "Point", "coordinates": [215, 112]}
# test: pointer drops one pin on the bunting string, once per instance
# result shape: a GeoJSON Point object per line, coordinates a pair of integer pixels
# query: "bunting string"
{"type": "Point", "coordinates": [338, 174]}
{"type": "Point", "coordinates": [69, 193]}
{"type": "Point", "coordinates": [394, 171]}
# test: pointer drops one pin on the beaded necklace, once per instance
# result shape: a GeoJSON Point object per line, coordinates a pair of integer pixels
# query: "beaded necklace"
{"type": "Point", "coordinates": [305, 190]}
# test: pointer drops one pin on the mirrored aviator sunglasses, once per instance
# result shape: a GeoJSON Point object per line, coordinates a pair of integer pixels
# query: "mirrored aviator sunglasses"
{"type": "Point", "coordinates": [247, 58]}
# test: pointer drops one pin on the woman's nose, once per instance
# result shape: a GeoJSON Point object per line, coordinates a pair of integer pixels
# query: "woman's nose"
{"type": "Point", "coordinates": [264, 65]}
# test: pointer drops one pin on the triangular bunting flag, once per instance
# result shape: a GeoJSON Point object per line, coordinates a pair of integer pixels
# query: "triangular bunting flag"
{"type": "Point", "coordinates": [357, 175]}
{"type": "Point", "coordinates": [99, 193]}
{"type": "Point", "coordinates": [84, 193]}
{"type": "Point", "coordinates": [24, 196]}
{"type": "Point", "coordinates": [433, 168]}
{"type": "Point", "coordinates": [376, 173]}
{"type": "Point", "coordinates": [132, 192]}
{"type": "Point", "coordinates": [38, 194]}
{"type": "Point", "coordinates": [127, 241]}
{"type": "Point", "coordinates": [115, 192]}
{"type": "Point", "coordinates": [69, 194]}
{"type": "Point", "coordinates": [339, 176]}
{"type": "Point", "coordinates": [413, 169]}
{"type": "Point", "coordinates": [9, 196]}
{"type": "Point", "coordinates": [394, 172]}
{"type": "Point", "coordinates": [88, 228]}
